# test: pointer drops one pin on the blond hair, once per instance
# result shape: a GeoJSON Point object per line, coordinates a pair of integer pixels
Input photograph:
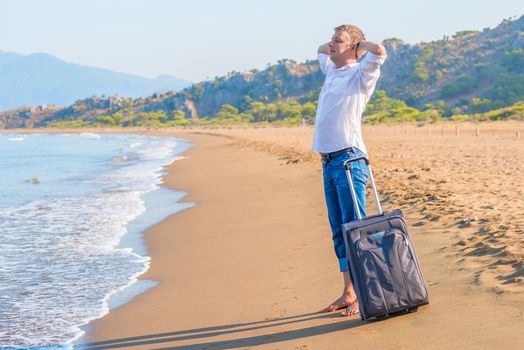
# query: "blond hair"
{"type": "Point", "coordinates": [356, 35]}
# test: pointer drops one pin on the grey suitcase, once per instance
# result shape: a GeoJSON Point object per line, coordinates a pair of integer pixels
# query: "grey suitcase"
{"type": "Point", "coordinates": [384, 267]}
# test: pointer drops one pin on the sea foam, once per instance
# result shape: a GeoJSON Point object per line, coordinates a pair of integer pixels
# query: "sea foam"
{"type": "Point", "coordinates": [62, 258]}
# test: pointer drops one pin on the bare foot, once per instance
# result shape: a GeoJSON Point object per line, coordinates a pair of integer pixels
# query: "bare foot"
{"type": "Point", "coordinates": [341, 303]}
{"type": "Point", "coordinates": [351, 309]}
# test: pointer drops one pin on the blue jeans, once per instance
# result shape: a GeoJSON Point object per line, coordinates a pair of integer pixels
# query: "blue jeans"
{"type": "Point", "coordinates": [338, 197]}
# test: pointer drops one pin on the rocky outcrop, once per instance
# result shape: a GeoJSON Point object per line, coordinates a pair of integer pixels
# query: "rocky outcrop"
{"type": "Point", "coordinates": [27, 116]}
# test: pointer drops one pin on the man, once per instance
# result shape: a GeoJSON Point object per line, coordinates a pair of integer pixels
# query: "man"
{"type": "Point", "coordinates": [338, 137]}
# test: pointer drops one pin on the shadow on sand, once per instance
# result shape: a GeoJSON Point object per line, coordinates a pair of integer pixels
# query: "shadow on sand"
{"type": "Point", "coordinates": [207, 332]}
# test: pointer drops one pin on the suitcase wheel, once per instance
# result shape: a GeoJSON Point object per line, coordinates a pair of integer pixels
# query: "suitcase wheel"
{"type": "Point", "coordinates": [382, 317]}
{"type": "Point", "coordinates": [412, 309]}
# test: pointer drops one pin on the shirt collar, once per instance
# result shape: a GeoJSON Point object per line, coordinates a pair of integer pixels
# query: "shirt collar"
{"type": "Point", "coordinates": [346, 67]}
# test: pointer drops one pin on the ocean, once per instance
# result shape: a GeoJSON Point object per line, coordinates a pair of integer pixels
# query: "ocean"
{"type": "Point", "coordinates": [73, 209]}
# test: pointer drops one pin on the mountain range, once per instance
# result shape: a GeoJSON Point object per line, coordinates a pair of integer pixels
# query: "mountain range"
{"type": "Point", "coordinates": [39, 79]}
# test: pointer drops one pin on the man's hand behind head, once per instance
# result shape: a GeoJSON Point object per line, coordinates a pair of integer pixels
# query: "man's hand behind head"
{"type": "Point", "coordinates": [324, 48]}
{"type": "Point", "coordinates": [374, 48]}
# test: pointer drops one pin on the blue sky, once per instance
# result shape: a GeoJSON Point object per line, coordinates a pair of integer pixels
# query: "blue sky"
{"type": "Point", "coordinates": [197, 40]}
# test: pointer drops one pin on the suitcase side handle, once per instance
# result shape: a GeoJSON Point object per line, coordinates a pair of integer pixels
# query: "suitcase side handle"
{"type": "Point", "coordinates": [347, 166]}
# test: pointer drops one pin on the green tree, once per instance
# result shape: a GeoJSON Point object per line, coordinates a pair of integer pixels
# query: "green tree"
{"type": "Point", "coordinates": [257, 110]}
{"type": "Point", "coordinates": [105, 120]}
{"type": "Point", "coordinates": [309, 110]}
{"type": "Point", "coordinates": [514, 61]}
{"type": "Point", "coordinates": [117, 119]}
{"type": "Point", "coordinates": [178, 115]}
{"type": "Point", "coordinates": [228, 112]}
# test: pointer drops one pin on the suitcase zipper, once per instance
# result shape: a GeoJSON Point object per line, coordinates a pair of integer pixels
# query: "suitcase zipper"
{"type": "Point", "coordinates": [379, 286]}
{"type": "Point", "coordinates": [402, 270]}
{"type": "Point", "coordinates": [419, 271]}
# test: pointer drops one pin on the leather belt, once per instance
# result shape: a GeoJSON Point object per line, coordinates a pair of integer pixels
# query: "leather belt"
{"type": "Point", "coordinates": [327, 157]}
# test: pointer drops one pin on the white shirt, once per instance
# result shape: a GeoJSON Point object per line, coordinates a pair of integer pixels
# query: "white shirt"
{"type": "Point", "coordinates": [342, 101]}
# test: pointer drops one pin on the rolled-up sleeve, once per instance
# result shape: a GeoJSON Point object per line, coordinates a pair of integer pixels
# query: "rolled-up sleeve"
{"type": "Point", "coordinates": [370, 69]}
{"type": "Point", "coordinates": [325, 63]}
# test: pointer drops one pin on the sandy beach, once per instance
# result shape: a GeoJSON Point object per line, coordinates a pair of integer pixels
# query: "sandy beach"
{"type": "Point", "coordinates": [252, 262]}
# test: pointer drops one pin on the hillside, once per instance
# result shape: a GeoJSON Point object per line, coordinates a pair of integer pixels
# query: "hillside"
{"type": "Point", "coordinates": [474, 71]}
{"type": "Point", "coordinates": [38, 79]}
{"type": "Point", "coordinates": [469, 74]}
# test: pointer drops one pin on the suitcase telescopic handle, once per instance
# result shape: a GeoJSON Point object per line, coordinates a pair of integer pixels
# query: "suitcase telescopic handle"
{"type": "Point", "coordinates": [352, 160]}
{"type": "Point", "coordinates": [347, 166]}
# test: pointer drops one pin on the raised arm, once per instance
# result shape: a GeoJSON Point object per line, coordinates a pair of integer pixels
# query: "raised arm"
{"type": "Point", "coordinates": [324, 48]}
{"type": "Point", "coordinates": [374, 48]}
{"type": "Point", "coordinates": [369, 66]}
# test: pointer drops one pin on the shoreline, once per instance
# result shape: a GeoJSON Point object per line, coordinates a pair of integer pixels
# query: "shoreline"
{"type": "Point", "coordinates": [136, 241]}
{"type": "Point", "coordinates": [157, 202]}
{"type": "Point", "coordinates": [135, 238]}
